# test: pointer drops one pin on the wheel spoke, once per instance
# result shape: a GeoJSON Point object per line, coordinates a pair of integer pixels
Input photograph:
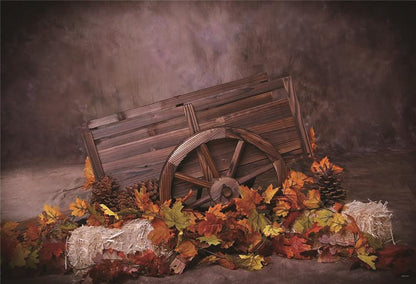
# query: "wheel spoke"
{"type": "Point", "coordinates": [192, 180]}
{"type": "Point", "coordinates": [200, 201]}
{"type": "Point", "coordinates": [209, 160]}
{"type": "Point", "coordinates": [235, 159]}
{"type": "Point", "coordinates": [255, 173]}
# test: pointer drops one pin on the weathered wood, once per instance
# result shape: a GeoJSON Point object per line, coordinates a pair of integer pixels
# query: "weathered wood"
{"type": "Point", "coordinates": [92, 153]}
{"type": "Point", "coordinates": [235, 159]}
{"type": "Point", "coordinates": [192, 180]}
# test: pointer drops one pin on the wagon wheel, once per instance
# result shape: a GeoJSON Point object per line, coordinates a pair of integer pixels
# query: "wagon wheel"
{"type": "Point", "coordinates": [221, 188]}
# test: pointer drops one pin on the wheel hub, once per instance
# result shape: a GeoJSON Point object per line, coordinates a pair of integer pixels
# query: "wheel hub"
{"type": "Point", "coordinates": [224, 189]}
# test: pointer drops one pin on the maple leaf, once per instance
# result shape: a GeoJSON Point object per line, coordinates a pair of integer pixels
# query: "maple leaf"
{"type": "Point", "coordinates": [50, 214]}
{"type": "Point", "coordinates": [108, 211]}
{"type": "Point", "coordinates": [79, 207]}
{"type": "Point", "coordinates": [272, 230]}
{"type": "Point", "coordinates": [324, 217]}
{"type": "Point", "coordinates": [302, 223]}
{"type": "Point", "coordinates": [313, 199]}
{"type": "Point", "coordinates": [258, 221]}
{"type": "Point", "coordinates": [50, 249]}
{"type": "Point", "coordinates": [174, 217]}
{"type": "Point", "coordinates": [250, 262]}
{"type": "Point", "coordinates": [314, 229]}
{"type": "Point", "coordinates": [216, 211]}
{"type": "Point", "coordinates": [298, 179]}
{"type": "Point", "coordinates": [365, 257]}
{"type": "Point", "coordinates": [88, 174]}
{"type": "Point", "coordinates": [20, 253]}
{"type": "Point", "coordinates": [248, 201]}
{"type": "Point", "coordinates": [32, 232]}
{"type": "Point", "coordinates": [210, 226]}
{"type": "Point", "coordinates": [187, 250]}
{"type": "Point", "coordinates": [33, 259]}
{"type": "Point", "coordinates": [312, 139]}
{"type": "Point", "coordinates": [299, 245]}
{"type": "Point", "coordinates": [160, 233]}
{"type": "Point", "coordinates": [337, 222]}
{"type": "Point", "coordinates": [282, 208]}
{"type": "Point", "coordinates": [211, 240]}
{"type": "Point", "coordinates": [323, 166]}
{"type": "Point", "coordinates": [269, 193]}
{"type": "Point", "coordinates": [253, 240]}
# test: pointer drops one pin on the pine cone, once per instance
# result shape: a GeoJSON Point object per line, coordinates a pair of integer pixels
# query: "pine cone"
{"type": "Point", "coordinates": [105, 191]}
{"type": "Point", "coordinates": [329, 179]}
{"type": "Point", "coordinates": [152, 188]}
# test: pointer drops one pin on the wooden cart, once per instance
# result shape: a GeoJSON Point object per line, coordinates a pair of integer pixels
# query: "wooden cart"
{"type": "Point", "coordinates": [211, 140]}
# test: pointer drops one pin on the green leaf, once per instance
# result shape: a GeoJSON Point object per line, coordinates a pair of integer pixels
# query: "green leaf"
{"type": "Point", "coordinates": [250, 261]}
{"type": "Point", "coordinates": [258, 221]}
{"type": "Point", "coordinates": [174, 217]}
{"type": "Point", "coordinates": [33, 259]}
{"type": "Point", "coordinates": [302, 223]}
{"type": "Point", "coordinates": [323, 217]}
{"type": "Point", "coordinates": [211, 240]}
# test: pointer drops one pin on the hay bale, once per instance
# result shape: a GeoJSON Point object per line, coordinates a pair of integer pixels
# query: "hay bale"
{"type": "Point", "coordinates": [87, 243]}
{"type": "Point", "coordinates": [373, 218]}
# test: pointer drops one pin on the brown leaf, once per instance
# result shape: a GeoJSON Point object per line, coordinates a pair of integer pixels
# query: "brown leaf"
{"type": "Point", "coordinates": [186, 250]}
{"type": "Point", "coordinates": [160, 233]}
{"type": "Point", "coordinates": [248, 201]}
{"type": "Point", "coordinates": [210, 226]}
{"type": "Point", "coordinates": [50, 249]}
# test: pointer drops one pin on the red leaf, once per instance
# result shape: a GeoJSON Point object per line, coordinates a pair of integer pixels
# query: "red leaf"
{"type": "Point", "coordinates": [291, 218]}
{"type": "Point", "coordinates": [50, 249]}
{"type": "Point", "coordinates": [291, 247]}
{"type": "Point", "coordinates": [210, 226]}
{"type": "Point", "coordinates": [314, 229]}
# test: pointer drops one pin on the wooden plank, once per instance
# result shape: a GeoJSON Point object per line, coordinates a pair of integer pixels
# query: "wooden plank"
{"type": "Point", "coordinates": [244, 119]}
{"type": "Point", "coordinates": [235, 159]}
{"type": "Point", "coordinates": [180, 122]}
{"type": "Point", "coordinates": [172, 112]}
{"type": "Point", "coordinates": [92, 153]}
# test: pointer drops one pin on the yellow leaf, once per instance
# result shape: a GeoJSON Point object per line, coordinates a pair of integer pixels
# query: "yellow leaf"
{"type": "Point", "coordinates": [8, 227]}
{"type": "Point", "coordinates": [272, 230]}
{"type": "Point", "coordinates": [298, 179]}
{"type": "Point", "coordinates": [175, 217]}
{"type": "Point", "coordinates": [19, 256]}
{"type": "Point", "coordinates": [257, 221]}
{"type": "Point", "coordinates": [211, 240]}
{"type": "Point", "coordinates": [108, 211]}
{"type": "Point", "coordinates": [313, 199]}
{"type": "Point", "coordinates": [50, 214]}
{"type": "Point", "coordinates": [269, 193]}
{"type": "Point", "coordinates": [336, 222]}
{"type": "Point", "coordinates": [79, 207]}
{"type": "Point", "coordinates": [250, 261]}
{"type": "Point", "coordinates": [88, 174]}
{"type": "Point", "coordinates": [324, 217]}
{"type": "Point", "coordinates": [369, 259]}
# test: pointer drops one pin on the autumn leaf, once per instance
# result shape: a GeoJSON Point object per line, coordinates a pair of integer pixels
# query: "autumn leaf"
{"type": "Point", "coordinates": [211, 240]}
{"type": "Point", "coordinates": [187, 250]}
{"type": "Point", "coordinates": [365, 257]}
{"type": "Point", "coordinates": [337, 222]}
{"type": "Point", "coordinates": [50, 249]}
{"type": "Point", "coordinates": [50, 214]}
{"type": "Point", "coordinates": [216, 211]}
{"type": "Point", "coordinates": [297, 246]}
{"type": "Point", "coordinates": [324, 217]}
{"type": "Point", "coordinates": [211, 259]}
{"type": "Point", "coordinates": [257, 220]}
{"type": "Point", "coordinates": [88, 174]}
{"type": "Point", "coordinates": [248, 201]}
{"type": "Point", "coordinates": [312, 139]}
{"type": "Point", "coordinates": [269, 193]}
{"type": "Point", "coordinates": [8, 228]}
{"type": "Point", "coordinates": [250, 262]}
{"type": "Point", "coordinates": [174, 217]}
{"type": "Point", "coordinates": [272, 230]}
{"type": "Point", "coordinates": [302, 223]}
{"type": "Point", "coordinates": [20, 253]}
{"type": "Point", "coordinates": [298, 179]}
{"type": "Point", "coordinates": [210, 226]}
{"type": "Point", "coordinates": [325, 165]}
{"type": "Point", "coordinates": [313, 199]}
{"type": "Point", "coordinates": [107, 211]}
{"type": "Point", "coordinates": [282, 208]}
{"type": "Point", "coordinates": [160, 233]}
{"type": "Point", "coordinates": [33, 259]}
{"type": "Point", "coordinates": [32, 232]}
{"type": "Point", "coordinates": [79, 207]}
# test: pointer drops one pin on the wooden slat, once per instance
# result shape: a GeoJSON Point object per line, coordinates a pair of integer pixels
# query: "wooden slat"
{"type": "Point", "coordinates": [172, 112]}
{"type": "Point", "coordinates": [92, 153]}
{"type": "Point", "coordinates": [241, 83]}
{"type": "Point", "coordinates": [180, 122]}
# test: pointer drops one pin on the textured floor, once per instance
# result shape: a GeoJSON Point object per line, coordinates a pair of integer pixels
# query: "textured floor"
{"type": "Point", "coordinates": [386, 176]}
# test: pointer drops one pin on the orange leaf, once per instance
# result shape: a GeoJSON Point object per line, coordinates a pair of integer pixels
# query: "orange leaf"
{"type": "Point", "coordinates": [161, 233]}
{"type": "Point", "coordinates": [312, 139]}
{"type": "Point", "coordinates": [210, 226]}
{"type": "Point", "coordinates": [298, 179]}
{"type": "Point", "coordinates": [88, 174]}
{"type": "Point", "coordinates": [186, 250]}
{"type": "Point", "coordinates": [32, 232]}
{"type": "Point", "coordinates": [50, 214]}
{"type": "Point", "coordinates": [248, 201]}
{"type": "Point", "coordinates": [313, 199]}
{"type": "Point", "coordinates": [216, 211]}
{"type": "Point", "coordinates": [79, 207]}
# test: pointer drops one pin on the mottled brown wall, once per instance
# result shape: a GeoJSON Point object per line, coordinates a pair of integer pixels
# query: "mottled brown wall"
{"type": "Point", "coordinates": [65, 63]}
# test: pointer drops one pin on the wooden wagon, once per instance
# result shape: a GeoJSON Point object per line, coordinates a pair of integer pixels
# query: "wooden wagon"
{"type": "Point", "coordinates": [211, 140]}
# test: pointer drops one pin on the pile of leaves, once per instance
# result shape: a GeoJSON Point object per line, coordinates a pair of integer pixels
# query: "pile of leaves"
{"type": "Point", "coordinates": [288, 221]}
